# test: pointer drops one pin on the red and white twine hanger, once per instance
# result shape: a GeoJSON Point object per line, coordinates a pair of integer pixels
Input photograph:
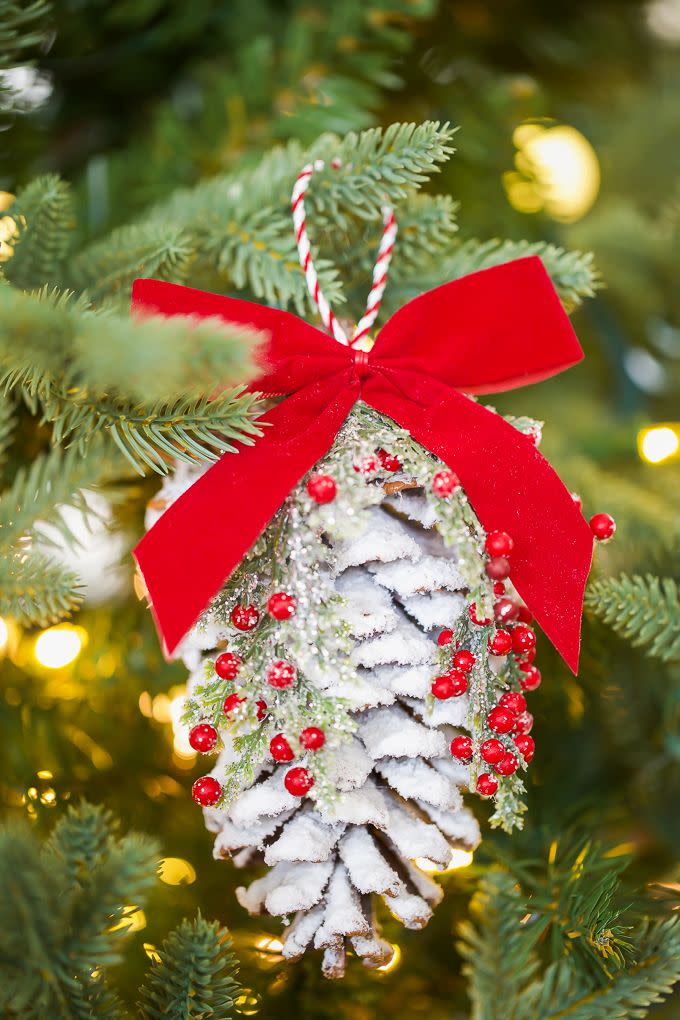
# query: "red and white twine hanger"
{"type": "Point", "coordinates": [380, 271]}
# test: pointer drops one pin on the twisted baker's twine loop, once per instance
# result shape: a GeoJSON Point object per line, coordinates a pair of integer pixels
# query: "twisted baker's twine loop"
{"type": "Point", "coordinates": [379, 272]}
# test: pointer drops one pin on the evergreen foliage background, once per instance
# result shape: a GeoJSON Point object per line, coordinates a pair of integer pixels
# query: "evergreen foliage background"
{"type": "Point", "coordinates": [153, 153]}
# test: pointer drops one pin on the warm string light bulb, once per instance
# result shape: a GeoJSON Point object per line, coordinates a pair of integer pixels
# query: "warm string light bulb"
{"type": "Point", "coordinates": [557, 171]}
{"type": "Point", "coordinates": [659, 443]}
{"type": "Point", "coordinates": [59, 646]}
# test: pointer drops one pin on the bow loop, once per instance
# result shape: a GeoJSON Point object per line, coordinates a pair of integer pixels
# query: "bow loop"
{"type": "Point", "coordinates": [493, 330]}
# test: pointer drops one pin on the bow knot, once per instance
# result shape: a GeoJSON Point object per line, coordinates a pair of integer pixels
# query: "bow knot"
{"type": "Point", "coordinates": [493, 330]}
{"type": "Point", "coordinates": [360, 361]}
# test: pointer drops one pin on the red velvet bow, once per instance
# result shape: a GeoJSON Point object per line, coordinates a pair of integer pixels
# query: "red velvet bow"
{"type": "Point", "coordinates": [490, 331]}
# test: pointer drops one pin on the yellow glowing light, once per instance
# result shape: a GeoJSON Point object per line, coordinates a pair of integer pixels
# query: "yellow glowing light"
{"type": "Point", "coordinates": [152, 952]}
{"type": "Point", "coordinates": [176, 871]}
{"type": "Point", "coordinates": [557, 171]}
{"type": "Point", "coordinates": [268, 944]}
{"type": "Point", "coordinates": [659, 443]}
{"type": "Point", "coordinates": [458, 859]}
{"type": "Point", "coordinates": [44, 774]}
{"type": "Point", "coordinates": [248, 1003]}
{"type": "Point", "coordinates": [48, 797]}
{"type": "Point", "coordinates": [393, 962]}
{"type": "Point", "coordinates": [4, 634]}
{"type": "Point", "coordinates": [134, 919]}
{"type": "Point", "coordinates": [58, 646]}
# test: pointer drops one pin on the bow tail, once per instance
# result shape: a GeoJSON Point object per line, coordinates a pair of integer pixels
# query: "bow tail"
{"type": "Point", "coordinates": [512, 488]}
{"type": "Point", "coordinates": [189, 553]}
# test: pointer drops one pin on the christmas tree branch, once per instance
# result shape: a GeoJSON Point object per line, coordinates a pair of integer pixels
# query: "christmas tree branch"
{"type": "Point", "coordinates": [49, 337]}
{"type": "Point", "coordinates": [35, 591]}
{"type": "Point", "coordinates": [6, 425]}
{"type": "Point", "coordinates": [240, 226]}
{"type": "Point", "coordinates": [195, 976]}
{"type": "Point", "coordinates": [44, 218]}
{"type": "Point", "coordinates": [63, 917]}
{"type": "Point", "coordinates": [561, 995]}
{"type": "Point", "coordinates": [23, 26]}
{"type": "Point", "coordinates": [645, 610]}
{"type": "Point", "coordinates": [572, 272]}
{"type": "Point", "coordinates": [108, 267]}
{"type": "Point", "coordinates": [566, 911]}
{"type": "Point", "coordinates": [497, 948]}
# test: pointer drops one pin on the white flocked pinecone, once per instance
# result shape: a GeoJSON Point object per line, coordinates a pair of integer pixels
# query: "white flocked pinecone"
{"type": "Point", "coordinates": [377, 573]}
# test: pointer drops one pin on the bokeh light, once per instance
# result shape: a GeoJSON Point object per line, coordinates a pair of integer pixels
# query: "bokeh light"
{"type": "Point", "coordinates": [658, 443]}
{"type": "Point", "coordinates": [176, 871]}
{"type": "Point", "coordinates": [557, 171]}
{"type": "Point", "coordinates": [58, 646]}
{"type": "Point", "coordinates": [459, 859]}
{"type": "Point", "coordinates": [392, 963]}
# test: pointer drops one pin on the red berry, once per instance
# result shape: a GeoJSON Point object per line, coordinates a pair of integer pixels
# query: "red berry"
{"type": "Point", "coordinates": [499, 543]}
{"type": "Point", "coordinates": [464, 660]}
{"type": "Point", "coordinates": [527, 657]}
{"type": "Point", "coordinates": [322, 488]}
{"type": "Point", "coordinates": [206, 791]}
{"type": "Point", "coordinates": [445, 483]}
{"type": "Point", "coordinates": [498, 568]}
{"type": "Point", "coordinates": [577, 500]}
{"type": "Point", "coordinates": [203, 738]}
{"type": "Point", "coordinates": [281, 674]}
{"type": "Point", "coordinates": [492, 751]}
{"type": "Point", "coordinates": [524, 616]}
{"type": "Point", "coordinates": [450, 685]}
{"type": "Point", "coordinates": [505, 610]}
{"type": "Point", "coordinates": [487, 784]}
{"type": "Point", "coordinates": [461, 748]}
{"type": "Point", "coordinates": [231, 703]}
{"type": "Point", "coordinates": [480, 621]}
{"type": "Point", "coordinates": [245, 617]}
{"type": "Point", "coordinates": [500, 720]}
{"type": "Point", "coordinates": [367, 465]}
{"type": "Point", "coordinates": [280, 749]}
{"type": "Point", "coordinates": [498, 588]}
{"type": "Point", "coordinates": [442, 687]}
{"type": "Point", "coordinates": [281, 605]}
{"type": "Point", "coordinates": [298, 781]}
{"type": "Point", "coordinates": [312, 738]}
{"type": "Point", "coordinates": [523, 722]}
{"type": "Point", "coordinates": [513, 701]}
{"type": "Point", "coordinates": [445, 638]}
{"type": "Point", "coordinates": [227, 665]}
{"type": "Point", "coordinates": [531, 677]}
{"type": "Point", "coordinates": [389, 461]}
{"type": "Point", "coordinates": [523, 639]}
{"type": "Point", "coordinates": [602, 526]}
{"type": "Point", "coordinates": [507, 765]}
{"type": "Point", "coordinates": [261, 709]}
{"type": "Point", "coordinates": [500, 643]}
{"type": "Point", "coordinates": [526, 746]}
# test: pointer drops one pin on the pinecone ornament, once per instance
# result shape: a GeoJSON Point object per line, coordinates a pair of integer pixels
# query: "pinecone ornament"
{"type": "Point", "coordinates": [379, 678]}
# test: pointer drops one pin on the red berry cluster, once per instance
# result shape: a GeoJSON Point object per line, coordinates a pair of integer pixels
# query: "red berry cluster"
{"type": "Point", "coordinates": [298, 781]}
{"type": "Point", "coordinates": [204, 737]}
{"type": "Point", "coordinates": [509, 718]}
{"type": "Point", "coordinates": [498, 546]}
